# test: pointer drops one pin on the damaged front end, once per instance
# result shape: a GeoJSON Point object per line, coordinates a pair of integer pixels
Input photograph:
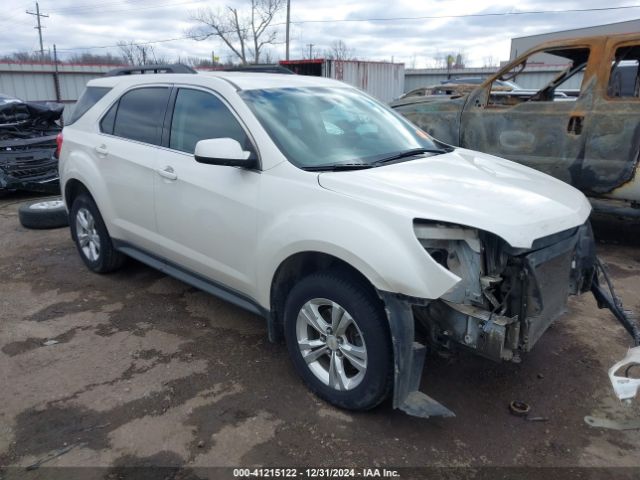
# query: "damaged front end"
{"type": "Point", "coordinates": [505, 300]}
{"type": "Point", "coordinates": [507, 297]}
{"type": "Point", "coordinates": [28, 132]}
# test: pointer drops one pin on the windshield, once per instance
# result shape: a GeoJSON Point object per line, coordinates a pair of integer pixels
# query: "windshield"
{"type": "Point", "coordinates": [324, 127]}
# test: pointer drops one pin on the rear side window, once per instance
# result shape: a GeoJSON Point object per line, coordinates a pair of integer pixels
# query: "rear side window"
{"type": "Point", "coordinates": [140, 114]}
{"type": "Point", "coordinates": [199, 115]}
{"type": "Point", "coordinates": [88, 99]}
{"type": "Point", "coordinates": [624, 81]}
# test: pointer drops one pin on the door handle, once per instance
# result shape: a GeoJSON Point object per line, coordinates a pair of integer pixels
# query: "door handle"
{"type": "Point", "coordinates": [575, 124]}
{"type": "Point", "coordinates": [101, 149]}
{"type": "Point", "coordinates": [168, 173]}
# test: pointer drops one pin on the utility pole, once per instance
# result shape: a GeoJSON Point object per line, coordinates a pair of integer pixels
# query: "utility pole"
{"type": "Point", "coordinates": [286, 56]}
{"type": "Point", "coordinates": [311, 45]}
{"type": "Point", "coordinates": [56, 73]}
{"type": "Point", "coordinates": [37, 14]}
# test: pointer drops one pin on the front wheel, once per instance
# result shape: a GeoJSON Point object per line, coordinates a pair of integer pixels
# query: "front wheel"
{"type": "Point", "coordinates": [338, 339]}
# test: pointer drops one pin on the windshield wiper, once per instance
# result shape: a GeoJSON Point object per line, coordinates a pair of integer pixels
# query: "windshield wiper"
{"type": "Point", "coordinates": [337, 166]}
{"type": "Point", "coordinates": [410, 153]}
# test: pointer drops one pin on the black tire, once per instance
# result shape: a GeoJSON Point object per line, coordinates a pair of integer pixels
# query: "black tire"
{"type": "Point", "coordinates": [369, 315]}
{"type": "Point", "coordinates": [108, 258]}
{"type": "Point", "coordinates": [43, 214]}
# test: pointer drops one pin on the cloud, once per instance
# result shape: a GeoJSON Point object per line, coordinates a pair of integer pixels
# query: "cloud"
{"type": "Point", "coordinates": [75, 26]}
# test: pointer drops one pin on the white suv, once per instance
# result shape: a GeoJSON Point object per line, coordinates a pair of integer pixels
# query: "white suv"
{"type": "Point", "coordinates": [357, 236]}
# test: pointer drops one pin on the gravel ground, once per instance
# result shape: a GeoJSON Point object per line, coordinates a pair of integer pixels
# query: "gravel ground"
{"type": "Point", "coordinates": [149, 371]}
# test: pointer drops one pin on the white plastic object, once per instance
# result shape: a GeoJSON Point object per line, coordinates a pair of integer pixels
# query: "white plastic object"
{"type": "Point", "coordinates": [626, 388]}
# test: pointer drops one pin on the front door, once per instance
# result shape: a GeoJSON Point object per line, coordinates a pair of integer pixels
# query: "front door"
{"type": "Point", "coordinates": [543, 129]}
{"type": "Point", "coordinates": [206, 214]}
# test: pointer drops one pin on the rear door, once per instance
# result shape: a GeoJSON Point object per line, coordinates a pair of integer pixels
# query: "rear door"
{"type": "Point", "coordinates": [127, 151]}
{"type": "Point", "coordinates": [611, 155]}
{"type": "Point", "coordinates": [206, 214]}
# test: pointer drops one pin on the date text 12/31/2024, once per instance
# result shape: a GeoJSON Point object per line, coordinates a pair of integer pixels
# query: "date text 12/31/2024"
{"type": "Point", "coordinates": [315, 473]}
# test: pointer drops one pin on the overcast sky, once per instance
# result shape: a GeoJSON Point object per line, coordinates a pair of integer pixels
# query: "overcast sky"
{"type": "Point", "coordinates": [80, 24]}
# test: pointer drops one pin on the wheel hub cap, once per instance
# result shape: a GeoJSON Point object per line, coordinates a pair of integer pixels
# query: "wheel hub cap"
{"type": "Point", "coordinates": [88, 238]}
{"type": "Point", "coordinates": [331, 344]}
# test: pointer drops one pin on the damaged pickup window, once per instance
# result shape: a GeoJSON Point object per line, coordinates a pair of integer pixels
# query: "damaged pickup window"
{"type": "Point", "coordinates": [565, 87]}
{"type": "Point", "coordinates": [624, 81]}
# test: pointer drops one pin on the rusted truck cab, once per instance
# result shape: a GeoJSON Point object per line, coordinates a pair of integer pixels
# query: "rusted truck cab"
{"type": "Point", "coordinates": [589, 137]}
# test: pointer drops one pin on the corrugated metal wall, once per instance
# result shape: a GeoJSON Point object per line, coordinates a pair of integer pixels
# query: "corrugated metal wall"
{"type": "Point", "coordinates": [382, 80]}
{"type": "Point", "coordinates": [35, 82]}
{"type": "Point", "coordinates": [533, 77]}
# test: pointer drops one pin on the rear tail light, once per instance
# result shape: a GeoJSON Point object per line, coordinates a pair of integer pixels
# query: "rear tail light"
{"type": "Point", "coordinates": [58, 145]}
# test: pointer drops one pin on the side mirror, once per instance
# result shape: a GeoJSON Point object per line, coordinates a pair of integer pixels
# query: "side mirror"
{"type": "Point", "coordinates": [223, 151]}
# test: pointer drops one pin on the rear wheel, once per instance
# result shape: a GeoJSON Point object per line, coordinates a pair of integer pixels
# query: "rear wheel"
{"type": "Point", "coordinates": [338, 340]}
{"type": "Point", "coordinates": [92, 238]}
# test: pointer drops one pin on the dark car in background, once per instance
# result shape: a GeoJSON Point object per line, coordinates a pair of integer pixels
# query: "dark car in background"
{"type": "Point", "coordinates": [28, 132]}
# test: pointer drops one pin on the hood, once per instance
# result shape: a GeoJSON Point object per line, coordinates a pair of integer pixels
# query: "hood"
{"type": "Point", "coordinates": [469, 188]}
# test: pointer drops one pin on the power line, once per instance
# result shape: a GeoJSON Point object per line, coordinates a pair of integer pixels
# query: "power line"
{"type": "Point", "coordinates": [466, 15]}
{"type": "Point", "coordinates": [98, 9]}
{"type": "Point", "coordinates": [387, 19]}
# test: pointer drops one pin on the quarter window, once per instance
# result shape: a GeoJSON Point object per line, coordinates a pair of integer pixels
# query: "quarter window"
{"type": "Point", "coordinates": [88, 99]}
{"type": "Point", "coordinates": [140, 114]}
{"type": "Point", "coordinates": [108, 121]}
{"type": "Point", "coordinates": [199, 115]}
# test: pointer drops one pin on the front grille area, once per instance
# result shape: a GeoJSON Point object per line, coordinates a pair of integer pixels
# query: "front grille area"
{"type": "Point", "coordinates": [548, 289]}
{"type": "Point", "coordinates": [34, 164]}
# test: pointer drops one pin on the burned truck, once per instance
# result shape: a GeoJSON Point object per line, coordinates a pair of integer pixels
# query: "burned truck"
{"type": "Point", "coordinates": [590, 138]}
{"type": "Point", "coordinates": [28, 132]}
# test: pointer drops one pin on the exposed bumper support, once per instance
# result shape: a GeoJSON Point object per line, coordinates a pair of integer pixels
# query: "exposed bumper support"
{"type": "Point", "coordinates": [624, 386]}
{"type": "Point", "coordinates": [408, 359]}
{"type": "Point", "coordinates": [606, 298]}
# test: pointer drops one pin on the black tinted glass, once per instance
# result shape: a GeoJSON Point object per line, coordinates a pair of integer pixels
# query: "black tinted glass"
{"type": "Point", "coordinates": [107, 122]}
{"type": "Point", "coordinates": [140, 114]}
{"type": "Point", "coordinates": [88, 99]}
{"type": "Point", "coordinates": [199, 116]}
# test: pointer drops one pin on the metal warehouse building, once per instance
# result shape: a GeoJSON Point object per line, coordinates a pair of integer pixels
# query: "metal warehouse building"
{"type": "Point", "coordinates": [43, 82]}
{"type": "Point", "coordinates": [520, 45]}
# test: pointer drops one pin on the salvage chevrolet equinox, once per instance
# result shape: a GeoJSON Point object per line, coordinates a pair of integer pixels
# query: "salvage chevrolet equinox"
{"type": "Point", "coordinates": [362, 240]}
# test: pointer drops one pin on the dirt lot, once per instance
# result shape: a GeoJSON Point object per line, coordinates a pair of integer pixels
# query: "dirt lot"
{"type": "Point", "coordinates": [149, 371]}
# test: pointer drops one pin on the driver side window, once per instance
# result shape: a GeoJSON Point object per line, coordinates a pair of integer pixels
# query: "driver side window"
{"type": "Point", "coordinates": [199, 115]}
{"type": "Point", "coordinates": [564, 86]}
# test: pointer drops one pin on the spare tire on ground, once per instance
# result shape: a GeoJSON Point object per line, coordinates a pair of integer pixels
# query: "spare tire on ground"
{"type": "Point", "coordinates": [45, 213]}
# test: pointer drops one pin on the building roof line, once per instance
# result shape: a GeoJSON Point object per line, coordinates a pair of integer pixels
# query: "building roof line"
{"type": "Point", "coordinates": [576, 29]}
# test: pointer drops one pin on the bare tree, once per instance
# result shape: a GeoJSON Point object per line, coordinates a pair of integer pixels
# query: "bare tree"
{"type": "Point", "coordinates": [95, 58]}
{"type": "Point", "coordinates": [339, 51]}
{"type": "Point", "coordinates": [137, 54]}
{"type": "Point", "coordinates": [35, 57]}
{"type": "Point", "coordinates": [244, 32]}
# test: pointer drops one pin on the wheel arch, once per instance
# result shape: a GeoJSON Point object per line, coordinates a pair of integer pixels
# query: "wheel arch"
{"type": "Point", "coordinates": [300, 265]}
{"type": "Point", "coordinates": [72, 188]}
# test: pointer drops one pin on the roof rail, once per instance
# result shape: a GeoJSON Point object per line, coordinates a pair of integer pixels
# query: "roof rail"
{"type": "Point", "coordinates": [261, 68]}
{"type": "Point", "coordinates": [145, 69]}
